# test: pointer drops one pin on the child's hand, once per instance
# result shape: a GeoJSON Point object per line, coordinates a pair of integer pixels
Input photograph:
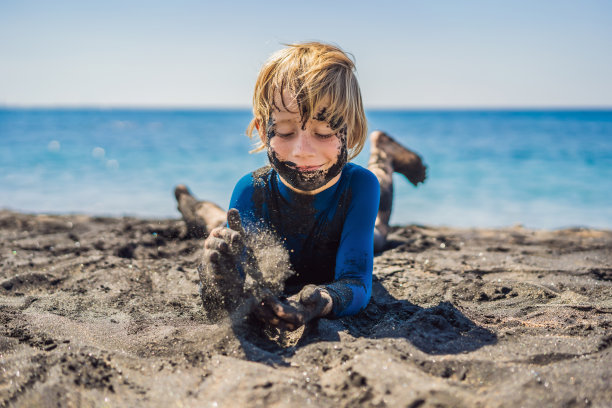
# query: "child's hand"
{"type": "Point", "coordinates": [222, 284]}
{"type": "Point", "coordinates": [225, 242]}
{"type": "Point", "coordinates": [311, 302]}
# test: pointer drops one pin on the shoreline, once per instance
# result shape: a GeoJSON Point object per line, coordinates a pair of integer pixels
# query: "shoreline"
{"type": "Point", "coordinates": [395, 226]}
{"type": "Point", "coordinates": [105, 310]}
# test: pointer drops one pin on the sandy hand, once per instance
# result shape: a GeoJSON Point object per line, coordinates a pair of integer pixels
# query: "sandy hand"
{"type": "Point", "coordinates": [254, 281]}
{"type": "Point", "coordinates": [311, 302]}
{"type": "Point", "coordinates": [222, 283]}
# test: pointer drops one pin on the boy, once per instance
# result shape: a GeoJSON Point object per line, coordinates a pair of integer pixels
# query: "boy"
{"type": "Point", "coordinates": [323, 210]}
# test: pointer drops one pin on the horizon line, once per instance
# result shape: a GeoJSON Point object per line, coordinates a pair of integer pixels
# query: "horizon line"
{"type": "Point", "coordinates": [103, 107]}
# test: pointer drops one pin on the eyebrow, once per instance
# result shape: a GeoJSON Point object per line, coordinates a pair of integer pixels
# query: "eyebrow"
{"type": "Point", "coordinates": [286, 112]}
{"type": "Point", "coordinates": [284, 116]}
{"type": "Point", "coordinates": [285, 120]}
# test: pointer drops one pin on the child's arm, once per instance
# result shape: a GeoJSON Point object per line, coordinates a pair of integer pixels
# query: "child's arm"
{"type": "Point", "coordinates": [352, 287]}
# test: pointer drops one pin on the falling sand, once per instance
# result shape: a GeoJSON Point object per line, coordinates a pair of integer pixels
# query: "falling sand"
{"type": "Point", "coordinates": [264, 266]}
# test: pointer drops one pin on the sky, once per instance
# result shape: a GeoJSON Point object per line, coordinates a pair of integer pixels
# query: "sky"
{"type": "Point", "coordinates": [409, 54]}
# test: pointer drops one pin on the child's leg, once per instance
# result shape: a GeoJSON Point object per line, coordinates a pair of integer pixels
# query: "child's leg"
{"type": "Point", "coordinates": [200, 216]}
{"type": "Point", "coordinates": [388, 156]}
{"type": "Point", "coordinates": [380, 165]}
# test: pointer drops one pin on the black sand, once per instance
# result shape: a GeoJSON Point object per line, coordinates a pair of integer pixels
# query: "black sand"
{"type": "Point", "coordinates": [105, 312]}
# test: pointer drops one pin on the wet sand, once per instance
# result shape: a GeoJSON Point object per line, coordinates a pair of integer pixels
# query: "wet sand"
{"type": "Point", "coordinates": [105, 312]}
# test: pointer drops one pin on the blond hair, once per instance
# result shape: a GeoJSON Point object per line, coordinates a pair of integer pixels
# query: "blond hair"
{"type": "Point", "coordinates": [312, 72]}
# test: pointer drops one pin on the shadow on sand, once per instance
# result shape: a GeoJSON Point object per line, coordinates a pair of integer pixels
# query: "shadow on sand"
{"type": "Point", "coordinates": [438, 330]}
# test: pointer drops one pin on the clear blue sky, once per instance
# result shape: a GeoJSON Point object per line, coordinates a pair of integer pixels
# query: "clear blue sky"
{"type": "Point", "coordinates": [430, 53]}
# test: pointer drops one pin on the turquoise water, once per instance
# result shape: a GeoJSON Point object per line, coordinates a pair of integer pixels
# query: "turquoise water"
{"type": "Point", "coordinates": [542, 169]}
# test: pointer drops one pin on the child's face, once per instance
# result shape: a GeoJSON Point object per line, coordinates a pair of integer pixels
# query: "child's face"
{"type": "Point", "coordinates": [306, 152]}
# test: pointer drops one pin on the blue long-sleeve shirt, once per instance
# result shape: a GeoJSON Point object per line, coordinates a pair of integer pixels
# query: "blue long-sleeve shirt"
{"type": "Point", "coordinates": [329, 235]}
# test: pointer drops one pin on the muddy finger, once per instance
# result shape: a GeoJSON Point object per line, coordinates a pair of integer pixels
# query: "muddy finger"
{"type": "Point", "coordinates": [216, 244]}
{"type": "Point", "coordinates": [233, 238]}
{"type": "Point", "coordinates": [233, 220]}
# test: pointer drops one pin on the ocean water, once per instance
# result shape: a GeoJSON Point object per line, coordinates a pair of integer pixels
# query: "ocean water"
{"type": "Point", "coordinates": [541, 169]}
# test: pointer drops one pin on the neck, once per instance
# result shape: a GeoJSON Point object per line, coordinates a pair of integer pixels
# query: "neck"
{"type": "Point", "coordinates": [312, 192]}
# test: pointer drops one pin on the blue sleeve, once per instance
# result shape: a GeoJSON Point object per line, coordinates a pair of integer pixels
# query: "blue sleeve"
{"type": "Point", "coordinates": [242, 200]}
{"type": "Point", "coordinates": [352, 287]}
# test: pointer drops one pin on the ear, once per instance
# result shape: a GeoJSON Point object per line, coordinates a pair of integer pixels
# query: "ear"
{"type": "Point", "coordinates": [260, 131]}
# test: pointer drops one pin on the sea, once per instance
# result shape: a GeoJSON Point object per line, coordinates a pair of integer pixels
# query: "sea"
{"type": "Point", "coordinates": [546, 169]}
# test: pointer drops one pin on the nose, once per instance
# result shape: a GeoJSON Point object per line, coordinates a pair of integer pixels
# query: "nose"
{"type": "Point", "coordinates": [303, 145]}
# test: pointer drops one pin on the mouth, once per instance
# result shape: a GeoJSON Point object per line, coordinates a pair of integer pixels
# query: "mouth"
{"type": "Point", "coordinates": [306, 169]}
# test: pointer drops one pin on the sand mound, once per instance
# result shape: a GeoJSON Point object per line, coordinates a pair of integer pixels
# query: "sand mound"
{"type": "Point", "coordinates": [105, 311]}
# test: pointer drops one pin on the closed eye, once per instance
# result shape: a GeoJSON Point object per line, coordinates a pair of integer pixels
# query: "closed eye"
{"type": "Point", "coordinates": [323, 135]}
{"type": "Point", "coordinates": [284, 135]}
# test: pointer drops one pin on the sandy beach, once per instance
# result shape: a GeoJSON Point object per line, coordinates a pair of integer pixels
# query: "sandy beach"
{"type": "Point", "coordinates": [105, 312]}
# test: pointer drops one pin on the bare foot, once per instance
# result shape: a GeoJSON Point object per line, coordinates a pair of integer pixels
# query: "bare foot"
{"type": "Point", "coordinates": [403, 160]}
{"type": "Point", "coordinates": [201, 217]}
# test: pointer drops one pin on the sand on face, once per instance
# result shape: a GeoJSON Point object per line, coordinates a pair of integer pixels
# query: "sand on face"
{"type": "Point", "coordinates": [105, 311]}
